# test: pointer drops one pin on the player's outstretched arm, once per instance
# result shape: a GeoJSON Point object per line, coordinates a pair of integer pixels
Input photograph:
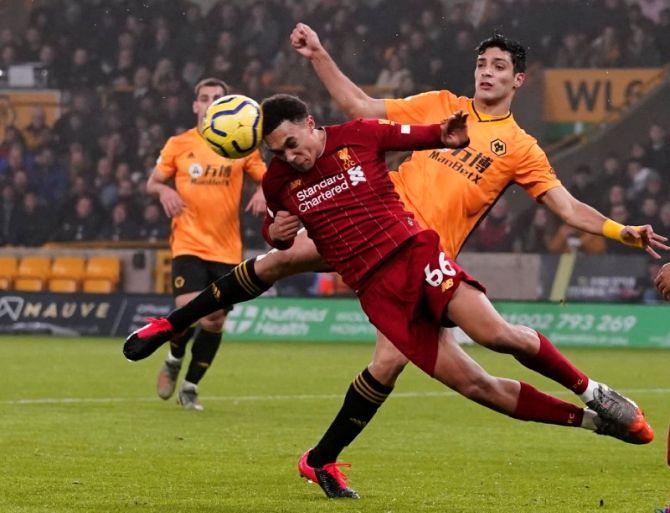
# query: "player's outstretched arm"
{"type": "Point", "coordinates": [353, 101]}
{"type": "Point", "coordinates": [586, 218]}
{"type": "Point", "coordinates": [169, 198]}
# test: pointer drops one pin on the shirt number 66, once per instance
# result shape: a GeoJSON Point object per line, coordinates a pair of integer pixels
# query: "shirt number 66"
{"type": "Point", "coordinates": [435, 277]}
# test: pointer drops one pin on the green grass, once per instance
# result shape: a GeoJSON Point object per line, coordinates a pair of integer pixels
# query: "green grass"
{"type": "Point", "coordinates": [117, 448]}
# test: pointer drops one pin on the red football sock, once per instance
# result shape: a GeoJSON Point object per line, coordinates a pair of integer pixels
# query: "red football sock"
{"type": "Point", "coordinates": [552, 364]}
{"type": "Point", "coordinates": [540, 407]}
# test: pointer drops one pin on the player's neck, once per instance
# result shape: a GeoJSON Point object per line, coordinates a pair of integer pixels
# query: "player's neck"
{"type": "Point", "coordinates": [497, 109]}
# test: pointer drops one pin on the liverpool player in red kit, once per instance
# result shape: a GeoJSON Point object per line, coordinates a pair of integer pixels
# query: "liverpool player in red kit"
{"type": "Point", "coordinates": [334, 180]}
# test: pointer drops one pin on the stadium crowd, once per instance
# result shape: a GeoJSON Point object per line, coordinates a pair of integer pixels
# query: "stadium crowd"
{"type": "Point", "coordinates": [128, 75]}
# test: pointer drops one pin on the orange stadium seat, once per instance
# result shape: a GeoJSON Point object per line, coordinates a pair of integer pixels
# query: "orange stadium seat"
{"type": "Point", "coordinates": [102, 275]}
{"type": "Point", "coordinates": [8, 269]}
{"type": "Point", "coordinates": [66, 274]}
{"type": "Point", "coordinates": [32, 273]}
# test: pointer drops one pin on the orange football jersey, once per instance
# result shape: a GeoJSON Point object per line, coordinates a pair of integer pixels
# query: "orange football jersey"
{"type": "Point", "coordinates": [449, 190]}
{"type": "Point", "coordinates": [211, 187]}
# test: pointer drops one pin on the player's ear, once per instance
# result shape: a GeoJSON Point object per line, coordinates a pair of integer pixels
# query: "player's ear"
{"type": "Point", "coordinates": [195, 107]}
{"type": "Point", "coordinates": [310, 121]}
{"type": "Point", "coordinates": [519, 79]}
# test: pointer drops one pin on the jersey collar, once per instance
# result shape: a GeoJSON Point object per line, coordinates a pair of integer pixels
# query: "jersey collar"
{"type": "Point", "coordinates": [485, 118]}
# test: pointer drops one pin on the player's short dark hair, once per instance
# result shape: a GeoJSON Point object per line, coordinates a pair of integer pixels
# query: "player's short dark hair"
{"type": "Point", "coordinates": [210, 82]}
{"type": "Point", "coordinates": [282, 107]}
{"type": "Point", "coordinates": [513, 47]}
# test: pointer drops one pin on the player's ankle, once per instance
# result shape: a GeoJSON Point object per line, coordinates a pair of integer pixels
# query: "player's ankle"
{"type": "Point", "coordinates": [589, 419]}
{"type": "Point", "coordinates": [587, 395]}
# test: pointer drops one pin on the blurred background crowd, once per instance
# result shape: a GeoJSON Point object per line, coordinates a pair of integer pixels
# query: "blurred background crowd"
{"type": "Point", "coordinates": [128, 76]}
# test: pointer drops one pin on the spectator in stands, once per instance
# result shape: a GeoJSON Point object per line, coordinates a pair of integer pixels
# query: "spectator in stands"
{"type": "Point", "coordinates": [648, 293]}
{"type": "Point", "coordinates": [582, 186]}
{"type": "Point", "coordinates": [154, 226]}
{"type": "Point", "coordinates": [21, 184]}
{"type": "Point", "coordinates": [8, 215]}
{"type": "Point", "coordinates": [567, 239]}
{"type": "Point", "coordinates": [495, 233]}
{"type": "Point", "coordinates": [8, 56]}
{"type": "Point", "coordinates": [105, 184]}
{"type": "Point", "coordinates": [395, 79]}
{"type": "Point", "coordinates": [83, 74]}
{"type": "Point", "coordinates": [573, 52]}
{"type": "Point", "coordinates": [649, 212]}
{"type": "Point", "coordinates": [37, 133]}
{"type": "Point", "coordinates": [658, 150]}
{"type": "Point", "coordinates": [640, 50]}
{"type": "Point", "coordinates": [121, 227]}
{"type": "Point", "coordinates": [535, 232]}
{"type": "Point", "coordinates": [664, 215]}
{"type": "Point", "coordinates": [50, 68]}
{"type": "Point", "coordinates": [637, 179]}
{"type": "Point", "coordinates": [48, 178]}
{"type": "Point", "coordinates": [16, 160]}
{"type": "Point", "coordinates": [606, 49]}
{"type": "Point", "coordinates": [655, 188]}
{"type": "Point", "coordinates": [30, 50]}
{"type": "Point", "coordinates": [34, 222]}
{"type": "Point", "coordinates": [82, 225]}
{"type": "Point", "coordinates": [122, 74]}
{"type": "Point", "coordinates": [261, 29]}
{"type": "Point", "coordinates": [612, 171]}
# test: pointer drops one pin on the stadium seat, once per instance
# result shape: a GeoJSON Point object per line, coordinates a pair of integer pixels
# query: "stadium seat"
{"type": "Point", "coordinates": [102, 275]}
{"type": "Point", "coordinates": [8, 269]}
{"type": "Point", "coordinates": [66, 274]}
{"type": "Point", "coordinates": [32, 273]}
{"type": "Point", "coordinates": [98, 286]}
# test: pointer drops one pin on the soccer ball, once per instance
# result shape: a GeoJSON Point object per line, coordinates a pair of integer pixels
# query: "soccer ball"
{"type": "Point", "coordinates": [233, 126]}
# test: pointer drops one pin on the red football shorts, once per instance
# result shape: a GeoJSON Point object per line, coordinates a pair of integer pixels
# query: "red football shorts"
{"type": "Point", "coordinates": [406, 297]}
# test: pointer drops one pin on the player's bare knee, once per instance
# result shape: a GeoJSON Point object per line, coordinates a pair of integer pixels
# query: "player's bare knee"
{"type": "Point", "coordinates": [499, 337]}
{"type": "Point", "coordinates": [387, 367]}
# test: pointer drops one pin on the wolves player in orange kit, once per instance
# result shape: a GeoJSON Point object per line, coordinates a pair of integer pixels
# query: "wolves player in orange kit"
{"type": "Point", "coordinates": [204, 206]}
{"type": "Point", "coordinates": [471, 179]}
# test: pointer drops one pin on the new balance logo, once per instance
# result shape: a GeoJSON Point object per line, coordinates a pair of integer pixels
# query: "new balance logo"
{"type": "Point", "coordinates": [356, 175]}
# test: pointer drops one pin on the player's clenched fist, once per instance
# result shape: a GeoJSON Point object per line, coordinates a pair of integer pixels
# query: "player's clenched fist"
{"type": "Point", "coordinates": [305, 41]}
{"type": "Point", "coordinates": [662, 283]}
{"type": "Point", "coordinates": [285, 227]}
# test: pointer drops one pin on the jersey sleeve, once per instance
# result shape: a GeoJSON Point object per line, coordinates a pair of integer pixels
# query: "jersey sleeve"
{"type": "Point", "coordinates": [254, 166]}
{"type": "Point", "coordinates": [419, 108]}
{"type": "Point", "coordinates": [534, 172]}
{"type": "Point", "coordinates": [167, 160]}
{"type": "Point", "coordinates": [273, 205]}
{"type": "Point", "coordinates": [390, 136]}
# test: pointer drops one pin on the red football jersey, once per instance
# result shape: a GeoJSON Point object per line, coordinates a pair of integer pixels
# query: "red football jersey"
{"type": "Point", "coordinates": [346, 200]}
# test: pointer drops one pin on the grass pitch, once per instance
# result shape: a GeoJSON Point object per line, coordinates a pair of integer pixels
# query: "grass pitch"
{"type": "Point", "coordinates": [81, 430]}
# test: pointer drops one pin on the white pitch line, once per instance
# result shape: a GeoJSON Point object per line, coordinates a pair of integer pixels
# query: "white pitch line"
{"type": "Point", "coordinates": [298, 397]}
